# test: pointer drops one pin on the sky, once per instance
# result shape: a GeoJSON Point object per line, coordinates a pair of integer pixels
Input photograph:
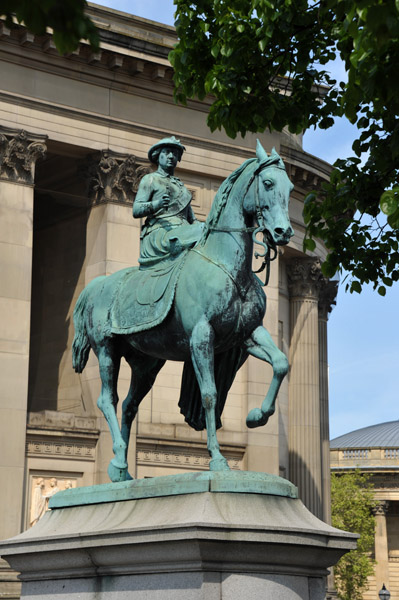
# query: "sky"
{"type": "Point", "coordinates": [363, 329]}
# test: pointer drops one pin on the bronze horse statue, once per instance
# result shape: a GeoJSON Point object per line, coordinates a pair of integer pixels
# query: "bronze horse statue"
{"type": "Point", "coordinates": [215, 316]}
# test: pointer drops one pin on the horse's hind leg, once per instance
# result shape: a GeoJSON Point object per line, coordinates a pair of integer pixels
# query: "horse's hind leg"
{"type": "Point", "coordinates": [261, 345]}
{"type": "Point", "coordinates": [202, 356]}
{"type": "Point", "coordinates": [109, 363]}
{"type": "Point", "coordinates": [144, 371]}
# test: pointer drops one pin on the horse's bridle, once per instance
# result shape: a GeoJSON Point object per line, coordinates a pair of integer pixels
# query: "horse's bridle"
{"type": "Point", "coordinates": [270, 245]}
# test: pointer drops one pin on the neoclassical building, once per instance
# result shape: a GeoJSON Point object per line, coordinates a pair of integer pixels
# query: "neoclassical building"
{"type": "Point", "coordinates": [375, 450]}
{"type": "Point", "coordinates": [74, 136]}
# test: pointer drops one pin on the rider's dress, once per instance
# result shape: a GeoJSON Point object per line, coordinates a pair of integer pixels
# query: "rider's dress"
{"type": "Point", "coordinates": [169, 230]}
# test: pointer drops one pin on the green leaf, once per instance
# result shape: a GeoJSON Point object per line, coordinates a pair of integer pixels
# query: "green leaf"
{"type": "Point", "coordinates": [355, 287]}
{"type": "Point", "coordinates": [393, 220]}
{"type": "Point", "coordinates": [309, 244]}
{"type": "Point", "coordinates": [382, 290]}
{"type": "Point", "coordinates": [240, 28]}
{"type": "Point", "coordinates": [328, 269]}
{"type": "Point", "coordinates": [389, 202]}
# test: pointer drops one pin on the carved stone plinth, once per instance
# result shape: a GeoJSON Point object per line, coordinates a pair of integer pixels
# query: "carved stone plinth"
{"type": "Point", "coordinates": [191, 546]}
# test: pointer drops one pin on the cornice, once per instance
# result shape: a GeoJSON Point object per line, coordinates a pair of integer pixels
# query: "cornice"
{"type": "Point", "coordinates": [116, 67]}
{"type": "Point", "coordinates": [133, 25]}
{"type": "Point", "coordinates": [306, 171]}
{"type": "Point", "coordinates": [57, 421]}
{"type": "Point", "coordinates": [55, 434]}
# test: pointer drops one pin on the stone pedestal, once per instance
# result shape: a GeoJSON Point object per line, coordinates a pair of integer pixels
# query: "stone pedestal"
{"type": "Point", "coordinates": [199, 544]}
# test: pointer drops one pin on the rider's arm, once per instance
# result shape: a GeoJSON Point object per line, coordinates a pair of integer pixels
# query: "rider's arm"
{"type": "Point", "coordinates": [143, 205]}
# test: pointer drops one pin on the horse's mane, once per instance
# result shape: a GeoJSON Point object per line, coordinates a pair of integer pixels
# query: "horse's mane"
{"type": "Point", "coordinates": [221, 197]}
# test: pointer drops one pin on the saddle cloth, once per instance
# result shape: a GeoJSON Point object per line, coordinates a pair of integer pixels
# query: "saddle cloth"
{"type": "Point", "coordinates": [143, 298]}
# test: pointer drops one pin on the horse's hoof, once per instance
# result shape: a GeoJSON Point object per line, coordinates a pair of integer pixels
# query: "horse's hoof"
{"type": "Point", "coordinates": [256, 418]}
{"type": "Point", "coordinates": [118, 473]}
{"type": "Point", "coordinates": [219, 464]}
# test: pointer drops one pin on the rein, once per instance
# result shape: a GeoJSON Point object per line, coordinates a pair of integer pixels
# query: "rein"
{"type": "Point", "coordinates": [260, 228]}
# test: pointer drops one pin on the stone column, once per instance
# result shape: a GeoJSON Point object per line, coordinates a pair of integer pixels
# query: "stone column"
{"type": "Point", "coordinates": [18, 154]}
{"type": "Point", "coordinates": [112, 243]}
{"type": "Point", "coordinates": [327, 297]}
{"type": "Point", "coordinates": [304, 282]}
{"type": "Point", "coordinates": [381, 545]}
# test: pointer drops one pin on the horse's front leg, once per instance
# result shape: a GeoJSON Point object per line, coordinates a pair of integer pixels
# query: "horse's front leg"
{"type": "Point", "coordinates": [202, 356]}
{"type": "Point", "coordinates": [261, 345]}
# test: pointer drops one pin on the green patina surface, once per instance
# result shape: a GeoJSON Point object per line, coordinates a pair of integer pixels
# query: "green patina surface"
{"type": "Point", "coordinates": [194, 299]}
{"type": "Point", "coordinates": [173, 485]}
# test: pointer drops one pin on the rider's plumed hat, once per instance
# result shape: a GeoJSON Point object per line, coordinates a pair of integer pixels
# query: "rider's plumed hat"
{"type": "Point", "coordinates": [153, 152]}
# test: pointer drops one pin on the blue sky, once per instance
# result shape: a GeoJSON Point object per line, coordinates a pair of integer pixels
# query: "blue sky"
{"type": "Point", "coordinates": [363, 329]}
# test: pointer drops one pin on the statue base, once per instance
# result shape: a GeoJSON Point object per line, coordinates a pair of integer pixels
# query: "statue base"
{"type": "Point", "coordinates": [203, 545]}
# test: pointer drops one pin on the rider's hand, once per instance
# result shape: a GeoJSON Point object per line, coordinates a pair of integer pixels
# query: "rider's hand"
{"type": "Point", "coordinates": [161, 202]}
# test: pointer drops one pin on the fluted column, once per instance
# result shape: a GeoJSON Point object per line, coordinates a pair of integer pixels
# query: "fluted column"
{"type": "Point", "coordinates": [381, 545]}
{"type": "Point", "coordinates": [112, 243]}
{"type": "Point", "coordinates": [19, 152]}
{"type": "Point", "coordinates": [304, 282]}
{"type": "Point", "coordinates": [327, 297]}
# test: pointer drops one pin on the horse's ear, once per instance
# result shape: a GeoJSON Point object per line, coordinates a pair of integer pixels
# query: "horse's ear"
{"type": "Point", "coordinates": [261, 154]}
{"type": "Point", "coordinates": [274, 153]}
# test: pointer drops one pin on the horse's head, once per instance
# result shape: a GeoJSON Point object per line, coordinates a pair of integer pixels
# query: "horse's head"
{"type": "Point", "coordinates": [269, 201]}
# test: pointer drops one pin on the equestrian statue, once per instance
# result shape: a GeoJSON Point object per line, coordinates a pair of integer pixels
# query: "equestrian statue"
{"type": "Point", "coordinates": [194, 297]}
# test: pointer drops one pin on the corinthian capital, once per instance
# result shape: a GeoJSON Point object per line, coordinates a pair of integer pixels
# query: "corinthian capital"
{"type": "Point", "coordinates": [327, 298]}
{"type": "Point", "coordinates": [113, 177]}
{"type": "Point", "coordinates": [305, 278]}
{"type": "Point", "coordinates": [19, 152]}
{"type": "Point", "coordinates": [381, 508]}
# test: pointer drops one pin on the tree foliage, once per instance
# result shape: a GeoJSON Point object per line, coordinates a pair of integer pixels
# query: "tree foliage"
{"type": "Point", "coordinates": [352, 501]}
{"type": "Point", "coordinates": [265, 63]}
{"type": "Point", "coordinates": [66, 18]}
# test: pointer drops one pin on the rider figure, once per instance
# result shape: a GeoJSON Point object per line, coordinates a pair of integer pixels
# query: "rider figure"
{"type": "Point", "coordinates": [170, 226]}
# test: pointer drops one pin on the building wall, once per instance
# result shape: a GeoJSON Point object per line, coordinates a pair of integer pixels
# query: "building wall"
{"type": "Point", "coordinates": [382, 464]}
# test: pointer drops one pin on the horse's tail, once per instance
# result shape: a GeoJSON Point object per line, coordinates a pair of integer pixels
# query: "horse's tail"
{"type": "Point", "coordinates": [81, 343]}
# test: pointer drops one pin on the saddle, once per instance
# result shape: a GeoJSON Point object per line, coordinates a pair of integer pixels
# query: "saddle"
{"type": "Point", "coordinates": [143, 298]}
